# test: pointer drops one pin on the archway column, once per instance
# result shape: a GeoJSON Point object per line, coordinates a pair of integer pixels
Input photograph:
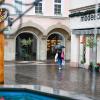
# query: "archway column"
{"type": "Point", "coordinates": [43, 48]}
{"type": "Point", "coordinates": [75, 46]}
{"type": "Point", "coordinates": [67, 49]}
{"type": "Point", "coordinates": [38, 49]}
{"type": "Point", "coordinates": [9, 50]}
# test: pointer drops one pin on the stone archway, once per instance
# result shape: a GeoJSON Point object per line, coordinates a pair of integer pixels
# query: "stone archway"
{"type": "Point", "coordinates": [65, 34]}
{"type": "Point", "coordinates": [52, 40]}
{"type": "Point", "coordinates": [26, 47]}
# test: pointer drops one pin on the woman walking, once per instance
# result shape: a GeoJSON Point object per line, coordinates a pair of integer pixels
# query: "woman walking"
{"type": "Point", "coordinates": [58, 58]}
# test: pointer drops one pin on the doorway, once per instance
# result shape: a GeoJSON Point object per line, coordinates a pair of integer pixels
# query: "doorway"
{"type": "Point", "coordinates": [53, 39]}
{"type": "Point", "coordinates": [26, 47]}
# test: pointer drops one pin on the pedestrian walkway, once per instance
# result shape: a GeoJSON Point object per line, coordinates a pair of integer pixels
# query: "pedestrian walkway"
{"type": "Point", "coordinates": [77, 80]}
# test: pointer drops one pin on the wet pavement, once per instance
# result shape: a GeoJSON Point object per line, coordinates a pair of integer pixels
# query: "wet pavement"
{"type": "Point", "coordinates": [77, 80]}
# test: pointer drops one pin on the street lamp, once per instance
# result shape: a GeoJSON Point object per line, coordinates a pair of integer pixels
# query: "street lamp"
{"type": "Point", "coordinates": [11, 21]}
{"type": "Point", "coordinates": [8, 29]}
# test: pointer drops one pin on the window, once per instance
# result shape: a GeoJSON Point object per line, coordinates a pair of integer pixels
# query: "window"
{"type": "Point", "coordinates": [57, 7]}
{"type": "Point", "coordinates": [38, 8]}
{"type": "Point", "coordinates": [57, 1]}
{"type": "Point", "coordinates": [18, 5]}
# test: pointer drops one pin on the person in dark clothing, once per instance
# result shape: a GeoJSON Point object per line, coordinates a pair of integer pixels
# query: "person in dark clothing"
{"type": "Point", "coordinates": [59, 51]}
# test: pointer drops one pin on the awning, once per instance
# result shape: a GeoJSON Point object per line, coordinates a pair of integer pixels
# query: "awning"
{"type": "Point", "coordinates": [85, 31]}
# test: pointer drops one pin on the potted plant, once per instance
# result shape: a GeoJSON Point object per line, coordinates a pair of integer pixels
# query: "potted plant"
{"type": "Point", "coordinates": [97, 67]}
{"type": "Point", "coordinates": [91, 66]}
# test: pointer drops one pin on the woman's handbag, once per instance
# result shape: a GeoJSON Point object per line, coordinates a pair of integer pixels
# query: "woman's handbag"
{"type": "Point", "coordinates": [62, 54]}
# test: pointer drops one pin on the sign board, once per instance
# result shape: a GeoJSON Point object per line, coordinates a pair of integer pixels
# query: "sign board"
{"type": "Point", "coordinates": [90, 17]}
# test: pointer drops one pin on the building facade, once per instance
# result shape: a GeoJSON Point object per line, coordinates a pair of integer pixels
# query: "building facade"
{"type": "Point", "coordinates": [84, 23]}
{"type": "Point", "coordinates": [36, 29]}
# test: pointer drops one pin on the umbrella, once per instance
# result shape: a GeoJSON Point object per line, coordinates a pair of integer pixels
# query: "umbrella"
{"type": "Point", "coordinates": [59, 46]}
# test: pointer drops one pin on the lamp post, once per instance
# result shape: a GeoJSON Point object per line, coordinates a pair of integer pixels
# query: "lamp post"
{"type": "Point", "coordinates": [95, 48]}
{"type": "Point", "coordinates": [3, 16]}
{"type": "Point", "coordinates": [8, 30]}
{"type": "Point", "coordinates": [95, 37]}
{"type": "Point", "coordinates": [1, 55]}
{"type": "Point", "coordinates": [2, 11]}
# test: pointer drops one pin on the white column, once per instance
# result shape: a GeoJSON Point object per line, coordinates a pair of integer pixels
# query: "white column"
{"type": "Point", "coordinates": [87, 55]}
{"type": "Point", "coordinates": [81, 47]}
{"type": "Point", "coordinates": [98, 48]}
{"type": "Point", "coordinates": [67, 50]}
{"type": "Point", "coordinates": [9, 50]}
{"type": "Point", "coordinates": [74, 50]}
{"type": "Point", "coordinates": [43, 49]}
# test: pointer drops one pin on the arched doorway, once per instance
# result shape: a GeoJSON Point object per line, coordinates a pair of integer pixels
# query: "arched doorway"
{"type": "Point", "coordinates": [52, 40]}
{"type": "Point", "coordinates": [26, 47]}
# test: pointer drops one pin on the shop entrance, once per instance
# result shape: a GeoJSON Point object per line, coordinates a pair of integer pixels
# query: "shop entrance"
{"type": "Point", "coordinates": [26, 47]}
{"type": "Point", "coordinates": [53, 39]}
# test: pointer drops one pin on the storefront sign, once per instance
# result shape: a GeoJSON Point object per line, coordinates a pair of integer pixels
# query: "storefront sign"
{"type": "Point", "coordinates": [90, 17]}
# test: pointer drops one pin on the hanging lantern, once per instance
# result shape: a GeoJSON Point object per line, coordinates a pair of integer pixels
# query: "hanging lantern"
{"type": "Point", "coordinates": [3, 14]}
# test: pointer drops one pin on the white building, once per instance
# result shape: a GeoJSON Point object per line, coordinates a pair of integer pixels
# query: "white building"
{"type": "Point", "coordinates": [83, 24]}
{"type": "Point", "coordinates": [32, 36]}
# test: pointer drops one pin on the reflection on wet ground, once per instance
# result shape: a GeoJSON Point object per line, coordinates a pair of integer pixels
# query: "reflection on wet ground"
{"type": "Point", "coordinates": [69, 79]}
